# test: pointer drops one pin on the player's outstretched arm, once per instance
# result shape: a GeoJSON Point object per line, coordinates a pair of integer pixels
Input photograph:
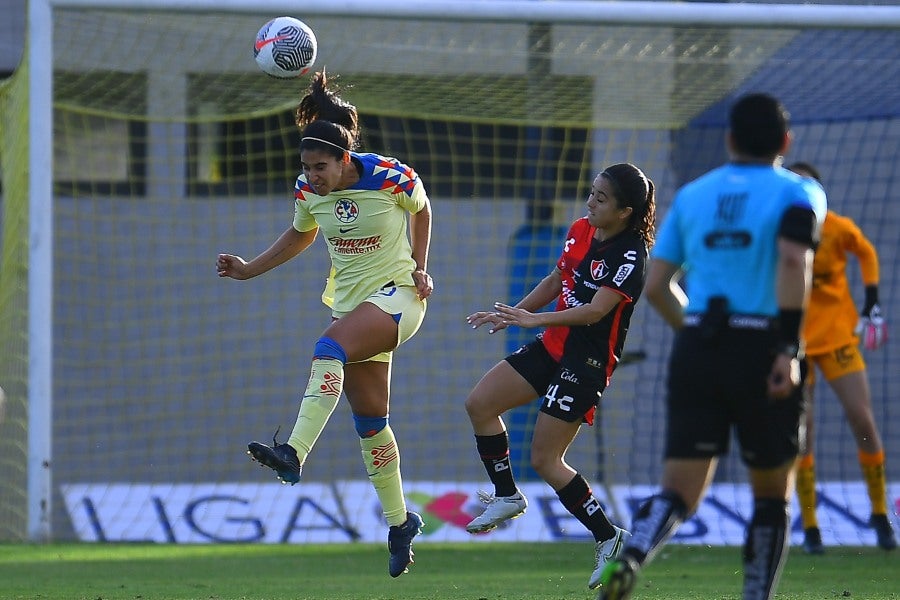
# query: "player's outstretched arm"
{"type": "Point", "coordinates": [287, 246]}
{"type": "Point", "coordinates": [604, 301]}
{"type": "Point", "coordinates": [547, 290]}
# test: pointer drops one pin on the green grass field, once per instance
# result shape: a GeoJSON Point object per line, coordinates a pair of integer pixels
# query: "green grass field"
{"type": "Point", "coordinates": [468, 571]}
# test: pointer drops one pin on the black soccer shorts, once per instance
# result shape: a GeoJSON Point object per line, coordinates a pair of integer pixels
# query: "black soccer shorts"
{"type": "Point", "coordinates": [714, 386]}
{"type": "Point", "coordinates": [569, 391]}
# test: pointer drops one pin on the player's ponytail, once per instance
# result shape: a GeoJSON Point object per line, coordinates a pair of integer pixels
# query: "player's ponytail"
{"type": "Point", "coordinates": [634, 189]}
{"type": "Point", "coordinates": [320, 103]}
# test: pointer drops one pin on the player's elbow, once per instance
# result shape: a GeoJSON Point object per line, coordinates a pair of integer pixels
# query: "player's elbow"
{"type": "Point", "coordinates": [661, 295]}
{"type": "Point", "coordinates": [592, 316]}
{"type": "Point", "coordinates": [794, 256]}
{"type": "Point", "coordinates": [656, 294]}
{"type": "Point", "coordinates": [661, 284]}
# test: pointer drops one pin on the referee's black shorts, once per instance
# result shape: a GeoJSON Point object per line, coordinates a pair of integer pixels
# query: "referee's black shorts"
{"type": "Point", "coordinates": [714, 385]}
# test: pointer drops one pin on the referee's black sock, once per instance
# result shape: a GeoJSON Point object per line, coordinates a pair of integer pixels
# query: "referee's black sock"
{"type": "Point", "coordinates": [579, 500]}
{"type": "Point", "coordinates": [654, 523]}
{"type": "Point", "coordinates": [494, 452]}
{"type": "Point", "coordinates": [765, 549]}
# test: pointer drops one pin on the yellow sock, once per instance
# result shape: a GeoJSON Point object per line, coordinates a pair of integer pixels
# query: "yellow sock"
{"type": "Point", "coordinates": [806, 491]}
{"type": "Point", "coordinates": [873, 471]}
{"type": "Point", "coordinates": [326, 380]}
{"type": "Point", "coordinates": [382, 460]}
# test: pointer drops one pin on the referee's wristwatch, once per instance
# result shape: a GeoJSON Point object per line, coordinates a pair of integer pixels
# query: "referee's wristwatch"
{"type": "Point", "coordinates": [791, 349]}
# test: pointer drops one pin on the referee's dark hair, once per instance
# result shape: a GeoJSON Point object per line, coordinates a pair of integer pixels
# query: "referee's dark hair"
{"type": "Point", "coordinates": [758, 124]}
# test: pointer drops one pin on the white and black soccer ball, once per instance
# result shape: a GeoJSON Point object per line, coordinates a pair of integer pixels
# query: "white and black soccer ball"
{"type": "Point", "coordinates": [285, 47]}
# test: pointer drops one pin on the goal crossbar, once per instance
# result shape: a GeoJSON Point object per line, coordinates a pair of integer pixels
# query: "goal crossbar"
{"type": "Point", "coordinates": [640, 12]}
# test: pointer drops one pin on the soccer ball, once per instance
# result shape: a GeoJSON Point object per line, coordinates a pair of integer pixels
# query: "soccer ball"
{"type": "Point", "coordinates": [285, 47]}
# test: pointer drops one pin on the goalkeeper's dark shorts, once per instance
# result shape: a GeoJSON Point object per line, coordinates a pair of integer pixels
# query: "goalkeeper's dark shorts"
{"type": "Point", "coordinates": [719, 384]}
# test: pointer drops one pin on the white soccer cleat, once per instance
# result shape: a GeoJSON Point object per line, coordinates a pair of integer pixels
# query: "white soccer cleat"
{"type": "Point", "coordinates": [606, 552]}
{"type": "Point", "coordinates": [497, 510]}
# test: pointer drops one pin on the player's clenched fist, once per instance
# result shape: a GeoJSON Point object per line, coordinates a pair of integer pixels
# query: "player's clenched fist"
{"type": "Point", "coordinates": [229, 265]}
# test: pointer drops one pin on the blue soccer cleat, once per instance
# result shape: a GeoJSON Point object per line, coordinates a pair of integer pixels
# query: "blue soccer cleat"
{"type": "Point", "coordinates": [400, 544]}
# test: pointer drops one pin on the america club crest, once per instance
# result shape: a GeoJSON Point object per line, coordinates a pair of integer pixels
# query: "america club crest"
{"type": "Point", "coordinates": [346, 210]}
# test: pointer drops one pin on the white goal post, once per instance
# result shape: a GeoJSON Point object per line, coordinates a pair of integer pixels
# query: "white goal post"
{"type": "Point", "coordinates": [40, 160]}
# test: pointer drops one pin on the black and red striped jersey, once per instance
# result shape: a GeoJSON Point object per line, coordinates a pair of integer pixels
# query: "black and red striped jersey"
{"type": "Point", "coordinates": [586, 265]}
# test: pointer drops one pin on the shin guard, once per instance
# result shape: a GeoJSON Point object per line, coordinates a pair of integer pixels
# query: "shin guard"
{"type": "Point", "coordinates": [382, 460]}
{"type": "Point", "coordinates": [326, 381]}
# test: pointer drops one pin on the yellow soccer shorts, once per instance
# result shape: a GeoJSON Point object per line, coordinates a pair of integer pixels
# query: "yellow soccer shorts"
{"type": "Point", "coordinates": [404, 304]}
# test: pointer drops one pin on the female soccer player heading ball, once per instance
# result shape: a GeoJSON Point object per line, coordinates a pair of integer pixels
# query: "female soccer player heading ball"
{"type": "Point", "coordinates": [377, 291]}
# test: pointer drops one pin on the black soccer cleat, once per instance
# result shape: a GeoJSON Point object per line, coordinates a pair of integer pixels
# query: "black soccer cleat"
{"type": "Point", "coordinates": [812, 541]}
{"type": "Point", "coordinates": [883, 531]}
{"type": "Point", "coordinates": [282, 458]}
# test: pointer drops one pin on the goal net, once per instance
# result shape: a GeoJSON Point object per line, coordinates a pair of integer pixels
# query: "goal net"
{"type": "Point", "coordinates": [170, 146]}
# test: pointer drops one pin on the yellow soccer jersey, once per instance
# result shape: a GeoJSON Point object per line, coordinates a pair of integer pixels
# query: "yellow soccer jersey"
{"type": "Point", "coordinates": [832, 314]}
{"type": "Point", "coordinates": [365, 228]}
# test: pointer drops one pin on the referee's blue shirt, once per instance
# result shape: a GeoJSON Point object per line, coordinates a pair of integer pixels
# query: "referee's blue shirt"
{"type": "Point", "coordinates": [722, 230]}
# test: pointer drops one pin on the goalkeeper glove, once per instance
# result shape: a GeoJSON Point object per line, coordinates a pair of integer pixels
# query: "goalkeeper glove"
{"type": "Point", "coordinates": [871, 326]}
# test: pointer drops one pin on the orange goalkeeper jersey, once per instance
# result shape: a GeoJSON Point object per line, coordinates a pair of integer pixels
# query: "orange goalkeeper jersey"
{"type": "Point", "coordinates": [832, 314]}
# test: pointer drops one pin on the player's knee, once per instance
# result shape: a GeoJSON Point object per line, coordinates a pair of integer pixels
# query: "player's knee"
{"type": "Point", "coordinates": [472, 406]}
{"type": "Point", "coordinates": [367, 427]}
{"type": "Point", "coordinates": [329, 348]}
{"type": "Point", "coordinates": [774, 481]}
{"type": "Point", "coordinates": [479, 408]}
{"type": "Point", "coordinates": [543, 463]}
{"type": "Point", "coordinates": [538, 463]}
